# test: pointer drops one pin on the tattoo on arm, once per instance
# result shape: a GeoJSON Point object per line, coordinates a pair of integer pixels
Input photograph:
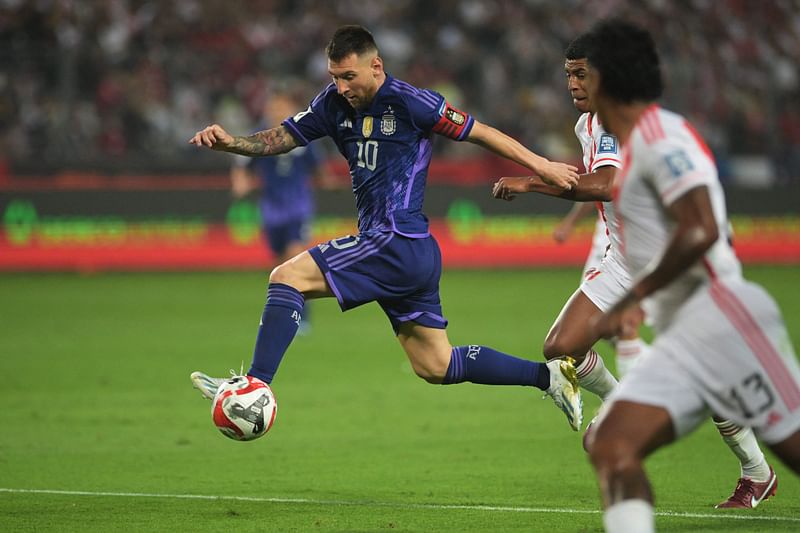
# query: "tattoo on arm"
{"type": "Point", "coordinates": [268, 142]}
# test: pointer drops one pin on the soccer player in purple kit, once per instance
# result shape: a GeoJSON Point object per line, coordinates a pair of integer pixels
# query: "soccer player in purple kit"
{"type": "Point", "coordinates": [284, 183]}
{"type": "Point", "coordinates": [383, 127]}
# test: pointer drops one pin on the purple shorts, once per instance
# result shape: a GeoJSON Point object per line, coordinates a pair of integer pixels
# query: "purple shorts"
{"type": "Point", "coordinates": [280, 236]}
{"type": "Point", "coordinates": [400, 273]}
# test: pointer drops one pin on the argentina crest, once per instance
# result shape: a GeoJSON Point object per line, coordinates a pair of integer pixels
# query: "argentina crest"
{"type": "Point", "coordinates": [366, 127]}
{"type": "Point", "coordinates": [388, 124]}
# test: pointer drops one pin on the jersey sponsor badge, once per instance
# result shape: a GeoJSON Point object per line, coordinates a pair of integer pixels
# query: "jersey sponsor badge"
{"type": "Point", "coordinates": [366, 127]}
{"type": "Point", "coordinates": [388, 124]}
{"type": "Point", "coordinates": [607, 144]}
{"type": "Point", "coordinates": [679, 163]}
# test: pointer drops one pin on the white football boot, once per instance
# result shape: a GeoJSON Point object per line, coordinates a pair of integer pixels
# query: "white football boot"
{"type": "Point", "coordinates": [564, 390]}
{"type": "Point", "coordinates": [207, 385]}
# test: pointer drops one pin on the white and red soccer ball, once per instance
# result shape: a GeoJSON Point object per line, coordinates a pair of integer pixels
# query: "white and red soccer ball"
{"type": "Point", "coordinates": [244, 408]}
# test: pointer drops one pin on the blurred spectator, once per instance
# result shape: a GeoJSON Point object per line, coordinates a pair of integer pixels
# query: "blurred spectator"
{"type": "Point", "coordinates": [129, 81]}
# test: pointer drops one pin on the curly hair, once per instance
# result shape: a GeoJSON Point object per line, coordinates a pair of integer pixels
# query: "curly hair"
{"type": "Point", "coordinates": [626, 58]}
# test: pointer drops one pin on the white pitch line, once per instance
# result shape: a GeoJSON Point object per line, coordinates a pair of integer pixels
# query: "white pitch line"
{"type": "Point", "coordinates": [398, 505]}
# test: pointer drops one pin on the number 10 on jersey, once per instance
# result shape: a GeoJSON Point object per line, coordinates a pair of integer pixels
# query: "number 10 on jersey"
{"type": "Point", "coordinates": [367, 154]}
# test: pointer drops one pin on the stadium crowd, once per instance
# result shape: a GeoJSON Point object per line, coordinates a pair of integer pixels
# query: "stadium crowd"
{"type": "Point", "coordinates": [87, 84]}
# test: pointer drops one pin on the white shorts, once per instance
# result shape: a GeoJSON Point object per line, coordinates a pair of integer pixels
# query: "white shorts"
{"type": "Point", "coordinates": [600, 244]}
{"type": "Point", "coordinates": [608, 283]}
{"type": "Point", "coordinates": [727, 353]}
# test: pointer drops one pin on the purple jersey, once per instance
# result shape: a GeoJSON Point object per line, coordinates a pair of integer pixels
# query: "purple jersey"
{"type": "Point", "coordinates": [388, 148]}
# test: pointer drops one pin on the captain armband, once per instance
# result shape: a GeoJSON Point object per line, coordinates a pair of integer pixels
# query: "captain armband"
{"type": "Point", "coordinates": [453, 123]}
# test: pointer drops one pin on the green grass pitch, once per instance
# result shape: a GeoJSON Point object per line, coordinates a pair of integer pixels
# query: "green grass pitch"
{"type": "Point", "coordinates": [101, 430]}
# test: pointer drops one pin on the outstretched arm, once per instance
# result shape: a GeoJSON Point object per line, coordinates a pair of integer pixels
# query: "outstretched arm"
{"type": "Point", "coordinates": [267, 142]}
{"type": "Point", "coordinates": [592, 187]}
{"type": "Point", "coordinates": [558, 175]}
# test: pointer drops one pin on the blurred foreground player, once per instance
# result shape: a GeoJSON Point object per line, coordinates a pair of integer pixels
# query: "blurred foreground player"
{"type": "Point", "coordinates": [721, 345]}
{"type": "Point", "coordinates": [383, 127]}
{"type": "Point", "coordinates": [609, 281]}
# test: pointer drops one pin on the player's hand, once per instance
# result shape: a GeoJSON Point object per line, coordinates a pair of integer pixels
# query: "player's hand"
{"type": "Point", "coordinates": [213, 136]}
{"type": "Point", "coordinates": [241, 184]}
{"type": "Point", "coordinates": [562, 231]}
{"type": "Point", "coordinates": [559, 175]}
{"type": "Point", "coordinates": [621, 320]}
{"type": "Point", "coordinates": [508, 188]}
{"type": "Point", "coordinates": [631, 320]}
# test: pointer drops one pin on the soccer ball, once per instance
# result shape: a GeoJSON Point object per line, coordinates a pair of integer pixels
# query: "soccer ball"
{"type": "Point", "coordinates": [244, 408]}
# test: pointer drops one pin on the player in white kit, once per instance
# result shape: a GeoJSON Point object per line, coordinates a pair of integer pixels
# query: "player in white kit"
{"type": "Point", "coordinates": [721, 345]}
{"type": "Point", "coordinates": [606, 281]}
{"type": "Point", "coordinates": [609, 281]}
{"type": "Point", "coordinates": [604, 278]}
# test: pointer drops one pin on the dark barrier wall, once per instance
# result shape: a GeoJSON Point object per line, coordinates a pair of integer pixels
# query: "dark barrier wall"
{"type": "Point", "coordinates": [186, 222]}
{"type": "Point", "coordinates": [213, 203]}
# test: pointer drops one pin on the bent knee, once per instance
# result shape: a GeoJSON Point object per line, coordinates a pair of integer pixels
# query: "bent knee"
{"type": "Point", "coordinates": [561, 343]}
{"type": "Point", "coordinates": [283, 273]}
{"type": "Point", "coordinates": [551, 349]}
{"type": "Point", "coordinates": [556, 345]}
{"type": "Point", "coordinates": [432, 371]}
{"type": "Point", "coordinates": [613, 454]}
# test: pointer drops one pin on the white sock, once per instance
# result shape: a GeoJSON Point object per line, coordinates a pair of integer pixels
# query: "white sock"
{"type": "Point", "coordinates": [744, 446]}
{"type": "Point", "coordinates": [628, 354]}
{"type": "Point", "coordinates": [630, 516]}
{"type": "Point", "coordinates": [594, 376]}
